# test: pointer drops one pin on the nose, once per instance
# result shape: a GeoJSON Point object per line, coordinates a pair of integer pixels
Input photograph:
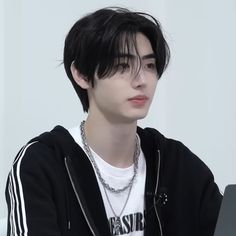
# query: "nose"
{"type": "Point", "coordinates": [139, 78]}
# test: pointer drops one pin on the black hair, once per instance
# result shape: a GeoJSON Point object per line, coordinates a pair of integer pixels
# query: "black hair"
{"type": "Point", "coordinates": [95, 41]}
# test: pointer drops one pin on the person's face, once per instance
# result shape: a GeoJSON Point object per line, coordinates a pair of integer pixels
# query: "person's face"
{"type": "Point", "coordinates": [126, 96]}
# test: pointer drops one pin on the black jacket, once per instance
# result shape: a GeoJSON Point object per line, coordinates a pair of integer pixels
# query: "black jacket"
{"type": "Point", "coordinates": [52, 189]}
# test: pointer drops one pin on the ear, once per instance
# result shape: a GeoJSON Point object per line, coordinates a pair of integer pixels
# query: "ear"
{"type": "Point", "coordinates": [80, 79]}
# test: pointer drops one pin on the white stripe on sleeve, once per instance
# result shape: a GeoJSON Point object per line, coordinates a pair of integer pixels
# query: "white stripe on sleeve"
{"type": "Point", "coordinates": [18, 212]}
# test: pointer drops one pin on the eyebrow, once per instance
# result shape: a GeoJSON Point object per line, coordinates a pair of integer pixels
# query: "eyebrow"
{"type": "Point", "coordinates": [131, 56]}
{"type": "Point", "coordinates": [148, 56]}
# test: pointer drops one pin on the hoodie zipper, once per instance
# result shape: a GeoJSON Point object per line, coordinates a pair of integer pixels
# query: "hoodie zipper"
{"type": "Point", "coordinates": [77, 196]}
{"type": "Point", "coordinates": [156, 189]}
{"type": "Point", "coordinates": [154, 201]}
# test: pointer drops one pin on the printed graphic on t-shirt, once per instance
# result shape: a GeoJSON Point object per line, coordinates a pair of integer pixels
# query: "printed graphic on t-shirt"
{"type": "Point", "coordinates": [127, 224]}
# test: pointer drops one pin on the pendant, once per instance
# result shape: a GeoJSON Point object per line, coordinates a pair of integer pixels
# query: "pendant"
{"type": "Point", "coordinates": [117, 224]}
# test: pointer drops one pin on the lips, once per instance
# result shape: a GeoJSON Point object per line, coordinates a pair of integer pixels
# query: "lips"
{"type": "Point", "coordinates": [139, 100]}
{"type": "Point", "coordinates": [139, 97]}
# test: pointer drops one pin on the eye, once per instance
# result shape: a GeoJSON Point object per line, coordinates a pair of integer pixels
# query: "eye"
{"type": "Point", "coordinates": [151, 66]}
{"type": "Point", "coordinates": [123, 67]}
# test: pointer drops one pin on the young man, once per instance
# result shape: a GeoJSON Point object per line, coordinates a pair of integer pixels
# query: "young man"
{"type": "Point", "coordinates": [108, 176]}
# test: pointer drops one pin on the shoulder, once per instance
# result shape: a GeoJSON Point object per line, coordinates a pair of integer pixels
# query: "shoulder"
{"type": "Point", "coordinates": [43, 150]}
{"type": "Point", "coordinates": [34, 156]}
{"type": "Point", "coordinates": [175, 155]}
{"type": "Point", "coordinates": [154, 137]}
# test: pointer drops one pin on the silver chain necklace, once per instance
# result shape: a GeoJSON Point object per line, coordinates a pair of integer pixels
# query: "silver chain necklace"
{"type": "Point", "coordinates": [103, 182]}
{"type": "Point", "coordinates": [117, 222]}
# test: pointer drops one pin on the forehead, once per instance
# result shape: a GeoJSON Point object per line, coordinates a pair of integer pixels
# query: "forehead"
{"type": "Point", "coordinates": [143, 44]}
{"type": "Point", "coordinates": [137, 44]}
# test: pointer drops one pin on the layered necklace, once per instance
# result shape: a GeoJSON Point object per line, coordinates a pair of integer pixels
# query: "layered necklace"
{"type": "Point", "coordinates": [105, 185]}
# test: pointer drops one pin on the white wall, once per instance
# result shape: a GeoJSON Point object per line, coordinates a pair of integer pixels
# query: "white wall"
{"type": "Point", "coordinates": [3, 166]}
{"type": "Point", "coordinates": [195, 100]}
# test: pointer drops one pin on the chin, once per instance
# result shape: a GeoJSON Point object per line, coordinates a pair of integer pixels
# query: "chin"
{"type": "Point", "coordinates": [140, 116]}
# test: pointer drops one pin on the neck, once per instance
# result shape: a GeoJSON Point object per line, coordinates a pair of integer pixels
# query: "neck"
{"type": "Point", "coordinates": [114, 143]}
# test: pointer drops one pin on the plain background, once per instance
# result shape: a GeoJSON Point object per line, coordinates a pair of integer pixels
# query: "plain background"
{"type": "Point", "coordinates": [195, 101]}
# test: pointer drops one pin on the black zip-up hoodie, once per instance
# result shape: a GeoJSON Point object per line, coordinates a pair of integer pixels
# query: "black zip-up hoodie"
{"type": "Point", "coordinates": [52, 189]}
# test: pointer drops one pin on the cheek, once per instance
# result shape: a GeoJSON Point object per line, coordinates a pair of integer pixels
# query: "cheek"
{"type": "Point", "coordinates": [105, 95]}
{"type": "Point", "coordinates": [111, 88]}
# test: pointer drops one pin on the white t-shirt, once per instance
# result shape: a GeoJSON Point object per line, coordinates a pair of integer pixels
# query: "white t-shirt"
{"type": "Point", "coordinates": [132, 218]}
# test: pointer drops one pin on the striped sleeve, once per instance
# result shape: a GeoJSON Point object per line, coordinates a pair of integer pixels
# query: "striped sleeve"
{"type": "Point", "coordinates": [31, 207]}
{"type": "Point", "coordinates": [17, 214]}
